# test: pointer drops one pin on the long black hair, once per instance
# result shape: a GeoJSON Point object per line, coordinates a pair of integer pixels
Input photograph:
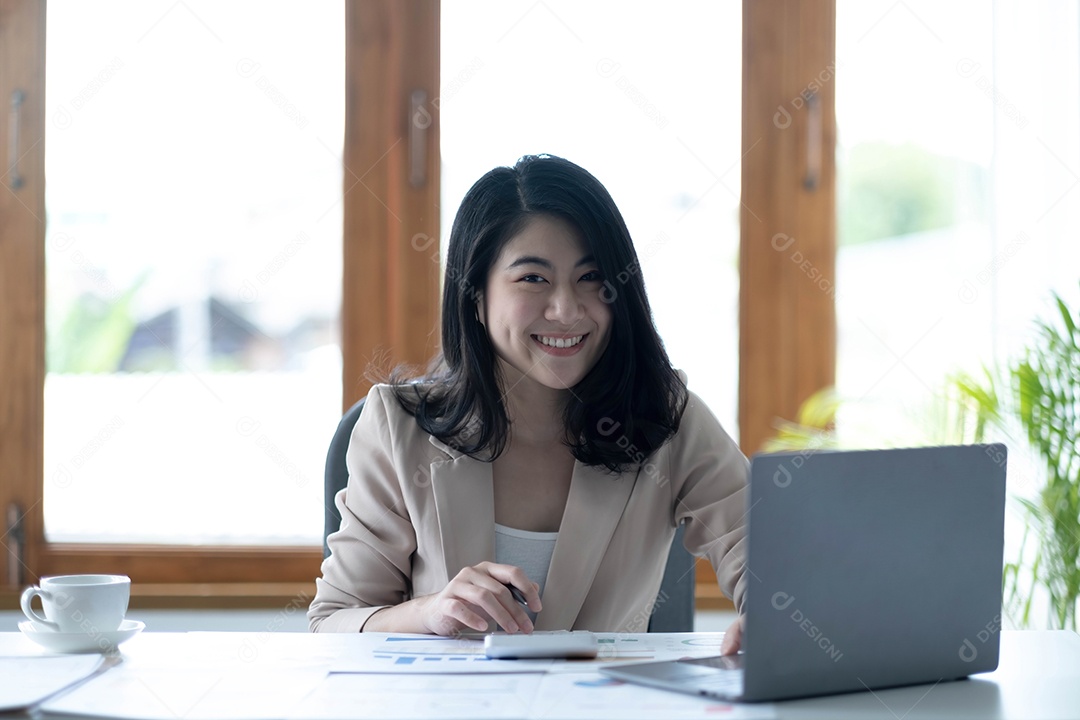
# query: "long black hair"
{"type": "Point", "coordinates": [631, 401]}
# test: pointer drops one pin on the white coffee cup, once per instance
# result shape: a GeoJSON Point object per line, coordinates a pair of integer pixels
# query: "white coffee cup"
{"type": "Point", "coordinates": [79, 603]}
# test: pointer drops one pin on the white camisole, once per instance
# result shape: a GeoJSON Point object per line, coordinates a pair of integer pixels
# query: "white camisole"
{"type": "Point", "coordinates": [530, 551]}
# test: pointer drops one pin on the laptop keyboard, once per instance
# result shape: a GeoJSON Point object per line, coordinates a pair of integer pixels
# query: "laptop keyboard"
{"type": "Point", "coordinates": [725, 662]}
{"type": "Point", "coordinates": [728, 679]}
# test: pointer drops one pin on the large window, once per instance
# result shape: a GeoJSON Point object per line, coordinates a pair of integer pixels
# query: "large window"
{"type": "Point", "coordinates": [201, 213]}
{"type": "Point", "coordinates": [193, 250]}
{"type": "Point", "coordinates": [620, 91]}
{"type": "Point", "coordinates": [196, 244]}
{"type": "Point", "coordinates": [957, 207]}
{"type": "Point", "coordinates": [958, 204]}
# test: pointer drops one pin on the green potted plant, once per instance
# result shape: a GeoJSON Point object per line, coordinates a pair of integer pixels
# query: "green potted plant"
{"type": "Point", "coordinates": [1039, 392]}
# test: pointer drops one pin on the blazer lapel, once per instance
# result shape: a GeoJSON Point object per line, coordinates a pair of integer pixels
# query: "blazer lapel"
{"type": "Point", "coordinates": [594, 506]}
{"type": "Point", "coordinates": [465, 503]}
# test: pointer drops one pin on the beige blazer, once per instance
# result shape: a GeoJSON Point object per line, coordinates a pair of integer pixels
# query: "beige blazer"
{"type": "Point", "coordinates": [416, 511]}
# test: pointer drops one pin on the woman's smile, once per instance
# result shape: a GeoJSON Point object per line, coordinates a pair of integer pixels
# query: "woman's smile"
{"type": "Point", "coordinates": [560, 345]}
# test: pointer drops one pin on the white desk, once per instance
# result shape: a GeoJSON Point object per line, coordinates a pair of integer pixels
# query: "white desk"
{"type": "Point", "coordinates": [1038, 677]}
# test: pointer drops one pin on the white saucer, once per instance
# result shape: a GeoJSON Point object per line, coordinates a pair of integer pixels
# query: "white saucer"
{"type": "Point", "coordinates": [102, 642]}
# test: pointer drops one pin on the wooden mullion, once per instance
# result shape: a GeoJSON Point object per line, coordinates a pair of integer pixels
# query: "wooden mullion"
{"type": "Point", "coordinates": [367, 37]}
{"type": "Point", "coordinates": [787, 323]}
{"type": "Point", "coordinates": [419, 269]}
{"type": "Point", "coordinates": [22, 288]}
{"type": "Point", "coordinates": [391, 280]}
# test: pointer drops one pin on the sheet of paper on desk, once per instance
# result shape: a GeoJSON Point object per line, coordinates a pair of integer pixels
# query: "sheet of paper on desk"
{"type": "Point", "coordinates": [412, 654]}
{"type": "Point", "coordinates": [564, 696]}
{"type": "Point", "coordinates": [618, 647]}
{"type": "Point", "coordinates": [192, 694]}
{"type": "Point", "coordinates": [404, 654]}
{"type": "Point", "coordinates": [488, 696]}
{"type": "Point", "coordinates": [657, 646]}
{"type": "Point", "coordinates": [29, 680]}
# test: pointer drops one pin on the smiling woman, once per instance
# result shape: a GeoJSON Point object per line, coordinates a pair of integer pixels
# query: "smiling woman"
{"type": "Point", "coordinates": [523, 428]}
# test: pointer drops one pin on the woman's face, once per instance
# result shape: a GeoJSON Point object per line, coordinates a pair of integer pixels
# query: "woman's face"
{"type": "Point", "coordinates": [542, 306]}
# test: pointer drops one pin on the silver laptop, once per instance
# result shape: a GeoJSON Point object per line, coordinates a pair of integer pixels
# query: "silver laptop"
{"type": "Point", "coordinates": [867, 569]}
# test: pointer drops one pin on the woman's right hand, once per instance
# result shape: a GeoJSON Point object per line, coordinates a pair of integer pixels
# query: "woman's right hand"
{"type": "Point", "coordinates": [478, 595]}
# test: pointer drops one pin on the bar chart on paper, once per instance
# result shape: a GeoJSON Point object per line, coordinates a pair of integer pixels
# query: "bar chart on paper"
{"type": "Point", "coordinates": [400, 653]}
{"type": "Point", "coordinates": [408, 651]}
{"type": "Point", "coordinates": [407, 654]}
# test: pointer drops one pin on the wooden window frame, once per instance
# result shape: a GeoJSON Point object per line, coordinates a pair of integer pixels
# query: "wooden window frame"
{"type": "Point", "coordinates": [391, 271]}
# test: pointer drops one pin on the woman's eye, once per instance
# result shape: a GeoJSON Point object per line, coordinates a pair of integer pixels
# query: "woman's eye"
{"type": "Point", "coordinates": [532, 279]}
{"type": "Point", "coordinates": [593, 276]}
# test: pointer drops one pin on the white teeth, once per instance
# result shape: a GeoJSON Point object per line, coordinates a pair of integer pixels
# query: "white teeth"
{"type": "Point", "coordinates": [560, 342]}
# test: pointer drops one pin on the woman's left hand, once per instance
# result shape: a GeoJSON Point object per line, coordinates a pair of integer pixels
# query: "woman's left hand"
{"type": "Point", "coordinates": [732, 638]}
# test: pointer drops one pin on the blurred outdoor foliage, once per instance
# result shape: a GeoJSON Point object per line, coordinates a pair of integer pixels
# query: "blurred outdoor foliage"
{"type": "Point", "coordinates": [91, 334]}
{"type": "Point", "coordinates": [814, 426]}
{"type": "Point", "coordinates": [893, 190]}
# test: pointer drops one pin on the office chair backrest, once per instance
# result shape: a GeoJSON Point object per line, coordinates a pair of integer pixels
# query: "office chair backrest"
{"type": "Point", "coordinates": [674, 608]}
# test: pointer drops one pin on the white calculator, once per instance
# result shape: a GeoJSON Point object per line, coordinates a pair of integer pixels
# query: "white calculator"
{"type": "Point", "coordinates": [543, 644]}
